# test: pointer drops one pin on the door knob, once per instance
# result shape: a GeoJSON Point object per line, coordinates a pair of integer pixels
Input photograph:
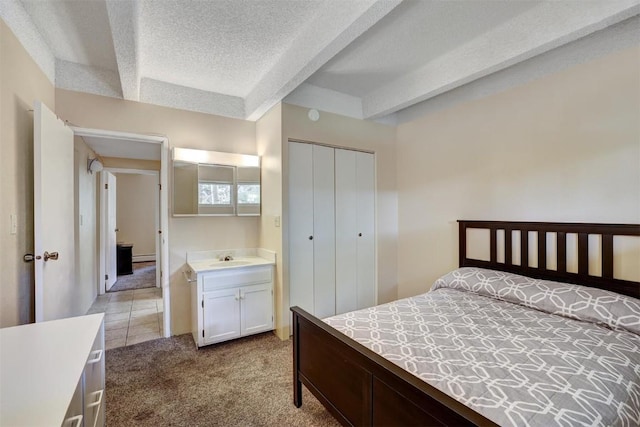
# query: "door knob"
{"type": "Point", "coordinates": [310, 237]}
{"type": "Point", "coordinates": [359, 234]}
{"type": "Point", "coordinates": [52, 255]}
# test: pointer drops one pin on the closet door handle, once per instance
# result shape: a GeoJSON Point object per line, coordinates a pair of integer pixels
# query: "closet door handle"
{"type": "Point", "coordinates": [310, 237]}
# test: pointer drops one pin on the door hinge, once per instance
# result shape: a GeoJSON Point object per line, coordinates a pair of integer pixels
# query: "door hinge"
{"type": "Point", "coordinates": [106, 277]}
{"type": "Point", "coordinates": [106, 186]}
{"type": "Point", "coordinates": [203, 333]}
{"type": "Point", "coordinates": [202, 303]}
{"type": "Point", "coordinates": [160, 185]}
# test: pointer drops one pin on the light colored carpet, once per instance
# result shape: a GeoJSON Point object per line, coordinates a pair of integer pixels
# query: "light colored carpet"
{"type": "Point", "coordinates": [144, 276]}
{"type": "Point", "coordinates": [246, 382]}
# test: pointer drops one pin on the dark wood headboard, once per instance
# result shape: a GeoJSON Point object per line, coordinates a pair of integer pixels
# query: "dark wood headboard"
{"type": "Point", "coordinates": [583, 230]}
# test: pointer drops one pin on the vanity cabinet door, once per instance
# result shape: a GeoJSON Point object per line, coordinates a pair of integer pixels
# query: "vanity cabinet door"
{"type": "Point", "coordinates": [221, 315]}
{"type": "Point", "coordinates": [256, 309]}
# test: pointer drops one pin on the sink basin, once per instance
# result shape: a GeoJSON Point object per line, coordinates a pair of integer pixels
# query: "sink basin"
{"type": "Point", "coordinates": [236, 263]}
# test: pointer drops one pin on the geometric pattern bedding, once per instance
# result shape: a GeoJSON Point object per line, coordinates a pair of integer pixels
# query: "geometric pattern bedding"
{"type": "Point", "coordinates": [578, 302]}
{"type": "Point", "coordinates": [516, 365]}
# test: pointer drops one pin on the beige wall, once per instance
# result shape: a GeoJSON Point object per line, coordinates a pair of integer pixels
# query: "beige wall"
{"type": "Point", "coordinates": [86, 240]}
{"type": "Point", "coordinates": [563, 148]}
{"type": "Point", "coordinates": [21, 82]}
{"type": "Point", "coordinates": [183, 129]}
{"type": "Point", "coordinates": [341, 131]}
{"type": "Point", "coordinates": [269, 145]}
{"type": "Point", "coordinates": [136, 210]}
{"type": "Point", "coordinates": [118, 162]}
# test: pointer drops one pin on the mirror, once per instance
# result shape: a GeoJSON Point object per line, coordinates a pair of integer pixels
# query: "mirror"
{"type": "Point", "coordinates": [210, 183]}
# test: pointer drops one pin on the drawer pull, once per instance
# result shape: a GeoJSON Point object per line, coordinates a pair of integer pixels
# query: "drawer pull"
{"type": "Point", "coordinates": [97, 355]}
{"type": "Point", "coordinates": [98, 393]}
{"type": "Point", "coordinates": [73, 421]}
{"type": "Point", "coordinates": [97, 403]}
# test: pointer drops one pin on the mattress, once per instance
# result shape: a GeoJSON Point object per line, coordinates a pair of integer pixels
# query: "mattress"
{"type": "Point", "coordinates": [519, 351]}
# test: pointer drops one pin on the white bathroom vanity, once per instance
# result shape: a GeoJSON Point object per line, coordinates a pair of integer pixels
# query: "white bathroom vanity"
{"type": "Point", "coordinates": [231, 293]}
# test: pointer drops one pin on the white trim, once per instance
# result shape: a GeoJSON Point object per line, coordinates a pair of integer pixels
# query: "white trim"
{"type": "Point", "coordinates": [100, 133]}
{"type": "Point", "coordinates": [102, 218]}
{"type": "Point", "coordinates": [164, 237]}
{"type": "Point", "coordinates": [164, 206]}
{"type": "Point", "coordinates": [133, 171]}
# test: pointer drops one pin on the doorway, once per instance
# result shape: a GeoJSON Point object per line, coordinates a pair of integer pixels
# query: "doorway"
{"type": "Point", "coordinates": [129, 146]}
{"type": "Point", "coordinates": [130, 207]}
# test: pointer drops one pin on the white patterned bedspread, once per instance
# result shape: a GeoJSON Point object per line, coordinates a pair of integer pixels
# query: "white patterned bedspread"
{"type": "Point", "coordinates": [515, 365]}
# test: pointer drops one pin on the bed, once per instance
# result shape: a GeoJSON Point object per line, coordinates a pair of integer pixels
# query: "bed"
{"type": "Point", "coordinates": [493, 343]}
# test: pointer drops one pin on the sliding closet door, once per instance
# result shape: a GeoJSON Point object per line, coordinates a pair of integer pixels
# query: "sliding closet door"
{"type": "Point", "coordinates": [355, 228]}
{"type": "Point", "coordinates": [301, 226]}
{"type": "Point", "coordinates": [365, 208]}
{"type": "Point", "coordinates": [324, 244]}
{"type": "Point", "coordinates": [346, 231]}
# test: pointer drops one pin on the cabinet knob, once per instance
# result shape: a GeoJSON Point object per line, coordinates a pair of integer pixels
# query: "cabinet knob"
{"type": "Point", "coordinates": [359, 234]}
{"type": "Point", "coordinates": [310, 237]}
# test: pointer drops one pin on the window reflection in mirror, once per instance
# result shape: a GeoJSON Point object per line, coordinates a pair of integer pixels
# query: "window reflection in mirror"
{"type": "Point", "coordinates": [202, 187]}
{"type": "Point", "coordinates": [215, 195]}
{"type": "Point", "coordinates": [248, 190]}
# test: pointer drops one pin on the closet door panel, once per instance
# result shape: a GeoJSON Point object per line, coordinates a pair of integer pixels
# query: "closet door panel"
{"type": "Point", "coordinates": [301, 226]}
{"type": "Point", "coordinates": [365, 195]}
{"type": "Point", "coordinates": [324, 244]}
{"type": "Point", "coordinates": [346, 231]}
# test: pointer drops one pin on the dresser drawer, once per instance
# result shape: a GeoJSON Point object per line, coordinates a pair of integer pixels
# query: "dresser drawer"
{"type": "Point", "coordinates": [235, 277]}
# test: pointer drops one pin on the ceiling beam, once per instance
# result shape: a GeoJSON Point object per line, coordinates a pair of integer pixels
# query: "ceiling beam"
{"type": "Point", "coordinates": [327, 35]}
{"type": "Point", "coordinates": [83, 78]}
{"type": "Point", "coordinates": [543, 28]}
{"type": "Point", "coordinates": [186, 98]}
{"type": "Point", "coordinates": [16, 17]}
{"type": "Point", "coordinates": [123, 19]}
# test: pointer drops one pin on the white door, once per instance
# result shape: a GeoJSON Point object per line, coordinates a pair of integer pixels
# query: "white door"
{"type": "Point", "coordinates": [53, 188]}
{"type": "Point", "coordinates": [221, 314]}
{"type": "Point", "coordinates": [365, 205]}
{"type": "Point", "coordinates": [346, 232]}
{"type": "Point", "coordinates": [110, 249]}
{"type": "Point", "coordinates": [301, 226]}
{"type": "Point", "coordinates": [256, 309]}
{"type": "Point", "coordinates": [324, 229]}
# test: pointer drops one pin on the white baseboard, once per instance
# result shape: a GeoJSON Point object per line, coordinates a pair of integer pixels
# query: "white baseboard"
{"type": "Point", "coordinates": [143, 258]}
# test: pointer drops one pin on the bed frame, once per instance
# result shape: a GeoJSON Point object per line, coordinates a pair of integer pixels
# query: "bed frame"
{"type": "Point", "coordinates": [359, 387]}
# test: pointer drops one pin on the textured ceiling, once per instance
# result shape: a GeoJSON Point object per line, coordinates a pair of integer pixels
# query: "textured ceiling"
{"type": "Point", "coordinates": [237, 58]}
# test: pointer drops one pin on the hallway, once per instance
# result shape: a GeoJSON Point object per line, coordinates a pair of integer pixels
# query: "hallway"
{"type": "Point", "coordinates": [131, 316]}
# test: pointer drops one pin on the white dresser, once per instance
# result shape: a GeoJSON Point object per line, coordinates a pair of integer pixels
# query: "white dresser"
{"type": "Point", "coordinates": [52, 373]}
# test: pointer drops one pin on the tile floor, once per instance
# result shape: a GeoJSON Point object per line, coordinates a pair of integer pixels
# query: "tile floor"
{"type": "Point", "coordinates": [131, 317]}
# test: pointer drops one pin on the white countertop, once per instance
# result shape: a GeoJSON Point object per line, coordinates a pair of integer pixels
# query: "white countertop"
{"type": "Point", "coordinates": [202, 266]}
{"type": "Point", "coordinates": [40, 365]}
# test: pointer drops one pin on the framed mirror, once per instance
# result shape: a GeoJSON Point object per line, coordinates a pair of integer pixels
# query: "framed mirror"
{"type": "Point", "coordinates": [211, 183]}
